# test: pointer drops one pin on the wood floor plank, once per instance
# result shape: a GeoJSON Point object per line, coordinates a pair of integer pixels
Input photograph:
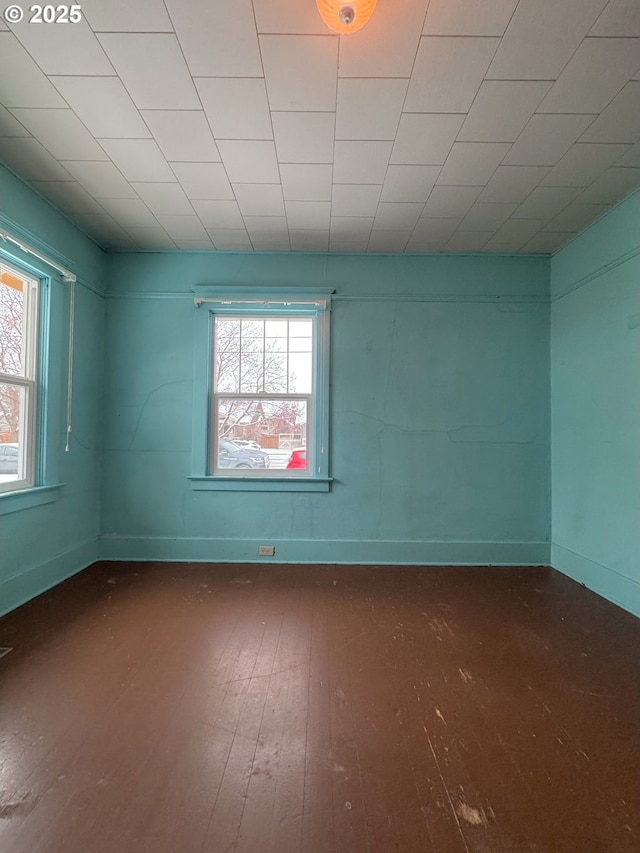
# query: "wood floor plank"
{"type": "Point", "coordinates": [155, 708]}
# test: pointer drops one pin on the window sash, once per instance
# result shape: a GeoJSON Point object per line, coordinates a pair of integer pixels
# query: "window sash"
{"type": "Point", "coordinates": [276, 311]}
{"type": "Point", "coordinates": [26, 380]}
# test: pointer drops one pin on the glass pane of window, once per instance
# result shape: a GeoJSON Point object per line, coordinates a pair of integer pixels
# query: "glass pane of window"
{"type": "Point", "coordinates": [260, 434]}
{"type": "Point", "coordinates": [254, 356]}
{"type": "Point", "coordinates": [12, 423]}
{"type": "Point", "coordinates": [12, 357]}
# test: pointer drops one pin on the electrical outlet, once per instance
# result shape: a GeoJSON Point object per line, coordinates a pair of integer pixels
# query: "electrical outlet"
{"type": "Point", "coordinates": [266, 551]}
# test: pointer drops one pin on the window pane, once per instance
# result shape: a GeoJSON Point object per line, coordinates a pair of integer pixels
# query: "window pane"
{"type": "Point", "coordinates": [260, 434]}
{"type": "Point", "coordinates": [12, 358]}
{"type": "Point", "coordinates": [300, 376]}
{"type": "Point", "coordinates": [12, 423]}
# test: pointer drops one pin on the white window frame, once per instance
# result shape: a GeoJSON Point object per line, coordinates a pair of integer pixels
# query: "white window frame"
{"type": "Point", "coordinates": [211, 302]}
{"type": "Point", "coordinates": [27, 381]}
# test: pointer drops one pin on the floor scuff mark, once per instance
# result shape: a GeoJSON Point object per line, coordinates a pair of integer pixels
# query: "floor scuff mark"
{"type": "Point", "coordinates": [471, 815]}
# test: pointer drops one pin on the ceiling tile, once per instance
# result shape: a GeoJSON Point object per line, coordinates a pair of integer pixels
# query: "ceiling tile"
{"type": "Point", "coordinates": [546, 138]}
{"type": "Point", "coordinates": [541, 38]}
{"type": "Point", "coordinates": [145, 16]}
{"type": "Point", "coordinates": [631, 158]}
{"type": "Point", "coordinates": [620, 121]}
{"type": "Point", "coordinates": [472, 163]}
{"type": "Point", "coordinates": [218, 39]}
{"type": "Point", "coordinates": [288, 16]}
{"type": "Point", "coordinates": [546, 202]}
{"type": "Point", "coordinates": [203, 180]}
{"type": "Point", "coordinates": [361, 162]}
{"type": "Point", "coordinates": [219, 214]}
{"type": "Point", "coordinates": [425, 138]}
{"type": "Point", "coordinates": [103, 105]}
{"type": "Point", "coordinates": [309, 241]}
{"type": "Point", "coordinates": [151, 238]}
{"type": "Point", "coordinates": [306, 182]}
{"type": "Point", "coordinates": [183, 227]}
{"type": "Point", "coordinates": [288, 89]}
{"type": "Point", "coordinates": [152, 67]}
{"type": "Point", "coordinates": [597, 71]}
{"type": "Point", "coordinates": [259, 199]}
{"type": "Point", "coordinates": [22, 83]}
{"type": "Point", "coordinates": [415, 246]}
{"type": "Point", "coordinates": [512, 236]}
{"type": "Point", "coordinates": [355, 199]}
{"type": "Point", "coordinates": [304, 137]}
{"type": "Point", "coordinates": [545, 241]}
{"type": "Point", "coordinates": [269, 232]}
{"type": "Point", "coordinates": [64, 49]}
{"type": "Point", "coordinates": [386, 47]}
{"type": "Point", "coordinates": [101, 180]}
{"type": "Point", "coordinates": [105, 230]}
{"type": "Point", "coordinates": [512, 183]}
{"type": "Point", "coordinates": [350, 229]}
{"type": "Point", "coordinates": [249, 161]}
{"type": "Point", "coordinates": [62, 133]}
{"type": "Point", "coordinates": [434, 230]}
{"type": "Point", "coordinates": [138, 159]}
{"type": "Point", "coordinates": [576, 217]}
{"type": "Point", "coordinates": [485, 217]}
{"type": "Point", "coordinates": [501, 110]}
{"type": "Point", "coordinates": [620, 18]}
{"type": "Point", "coordinates": [450, 202]}
{"type": "Point", "coordinates": [611, 186]}
{"type": "Point", "coordinates": [448, 73]}
{"type": "Point", "coordinates": [337, 244]}
{"type": "Point", "coordinates": [129, 212]}
{"type": "Point", "coordinates": [230, 239]}
{"type": "Point", "coordinates": [308, 214]}
{"type": "Point", "coordinates": [202, 245]}
{"type": "Point", "coordinates": [369, 109]}
{"type": "Point", "coordinates": [388, 241]}
{"type": "Point", "coordinates": [397, 216]}
{"type": "Point", "coordinates": [468, 241]}
{"type": "Point", "coordinates": [30, 160]}
{"type": "Point", "coordinates": [69, 196]}
{"type": "Point", "coordinates": [237, 108]}
{"type": "Point", "coordinates": [10, 126]}
{"type": "Point", "coordinates": [582, 164]}
{"type": "Point", "coordinates": [183, 135]}
{"type": "Point", "coordinates": [481, 18]}
{"type": "Point", "coordinates": [164, 198]}
{"type": "Point", "coordinates": [409, 183]}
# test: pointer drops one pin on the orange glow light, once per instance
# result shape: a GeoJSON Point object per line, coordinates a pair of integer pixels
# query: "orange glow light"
{"type": "Point", "coordinates": [345, 16]}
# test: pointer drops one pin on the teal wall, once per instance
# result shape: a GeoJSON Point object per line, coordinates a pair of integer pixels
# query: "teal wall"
{"type": "Point", "coordinates": [439, 418]}
{"type": "Point", "coordinates": [41, 545]}
{"type": "Point", "coordinates": [461, 400]}
{"type": "Point", "coordinates": [595, 394]}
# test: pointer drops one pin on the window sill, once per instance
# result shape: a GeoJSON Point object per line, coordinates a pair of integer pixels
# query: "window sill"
{"type": "Point", "coordinates": [261, 484]}
{"type": "Point", "coordinates": [29, 498]}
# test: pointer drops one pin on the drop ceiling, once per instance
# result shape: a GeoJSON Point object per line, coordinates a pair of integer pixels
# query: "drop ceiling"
{"type": "Point", "coordinates": [442, 126]}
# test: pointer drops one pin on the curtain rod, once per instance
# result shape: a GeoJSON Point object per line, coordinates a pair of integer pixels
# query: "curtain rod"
{"type": "Point", "coordinates": [66, 274]}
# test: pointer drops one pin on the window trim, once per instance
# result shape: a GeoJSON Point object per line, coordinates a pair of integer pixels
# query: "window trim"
{"type": "Point", "coordinates": [46, 487]}
{"type": "Point", "coordinates": [30, 380]}
{"type": "Point", "coordinates": [242, 300]}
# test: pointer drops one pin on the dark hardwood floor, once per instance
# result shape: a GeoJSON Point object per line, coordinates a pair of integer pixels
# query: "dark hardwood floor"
{"type": "Point", "coordinates": [180, 708]}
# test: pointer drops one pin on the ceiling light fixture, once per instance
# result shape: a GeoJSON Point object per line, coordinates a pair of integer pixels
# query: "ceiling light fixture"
{"type": "Point", "coordinates": [345, 17]}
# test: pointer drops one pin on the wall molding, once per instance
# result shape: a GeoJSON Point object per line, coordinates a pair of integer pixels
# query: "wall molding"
{"type": "Point", "coordinates": [342, 551]}
{"type": "Point", "coordinates": [37, 579]}
{"type": "Point", "coordinates": [365, 297]}
{"type": "Point", "coordinates": [615, 587]}
{"type": "Point", "coordinates": [597, 273]}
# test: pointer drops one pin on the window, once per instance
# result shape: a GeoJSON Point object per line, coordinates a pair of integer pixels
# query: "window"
{"type": "Point", "coordinates": [18, 378]}
{"type": "Point", "coordinates": [268, 381]}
